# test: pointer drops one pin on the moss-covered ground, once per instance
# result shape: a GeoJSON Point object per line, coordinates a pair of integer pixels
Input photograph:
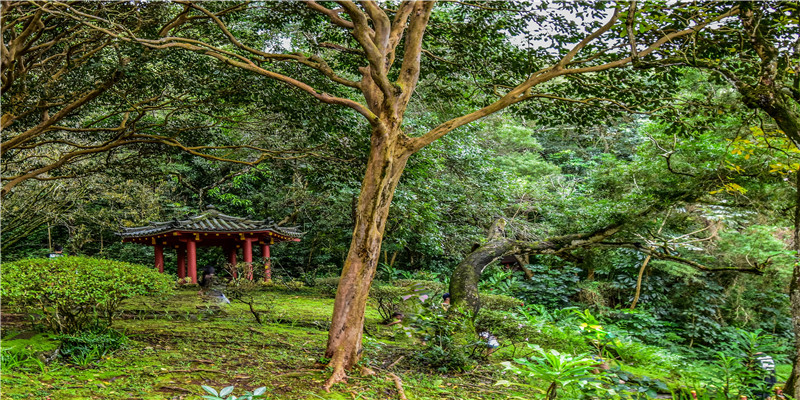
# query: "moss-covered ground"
{"type": "Point", "coordinates": [179, 343]}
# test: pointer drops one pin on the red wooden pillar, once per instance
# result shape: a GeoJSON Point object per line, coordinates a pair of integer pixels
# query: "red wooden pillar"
{"type": "Point", "coordinates": [267, 263]}
{"type": "Point", "coordinates": [159, 252]}
{"type": "Point", "coordinates": [232, 260]}
{"type": "Point", "coordinates": [248, 257]}
{"type": "Point", "coordinates": [191, 250]}
{"type": "Point", "coordinates": [181, 261]}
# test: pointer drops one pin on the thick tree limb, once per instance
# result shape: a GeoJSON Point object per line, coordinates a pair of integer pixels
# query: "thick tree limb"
{"type": "Point", "coordinates": [520, 92]}
{"type": "Point", "coordinates": [465, 278]}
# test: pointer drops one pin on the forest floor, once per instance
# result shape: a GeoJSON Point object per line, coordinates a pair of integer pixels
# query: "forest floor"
{"type": "Point", "coordinates": [179, 343]}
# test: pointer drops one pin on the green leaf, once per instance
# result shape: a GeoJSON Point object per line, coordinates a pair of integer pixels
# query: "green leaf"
{"type": "Point", "coordinates": [209, 389]}
{"type": "Point", "coordinates": [225, 391]}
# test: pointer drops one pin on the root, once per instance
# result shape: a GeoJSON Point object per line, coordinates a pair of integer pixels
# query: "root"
{"type": "Point", "coordinates": [395, 362]}
{"type": "Point", "coordinates": [338, 375]}
{"type": "Point", "coordinates": [365, 371]}
{"type": "Point", "coordinates": [399, 385]}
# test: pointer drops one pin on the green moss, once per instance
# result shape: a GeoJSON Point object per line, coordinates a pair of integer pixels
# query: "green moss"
{"type": "Point", "coordinates": [32, 341]}
{"type": "Point", "coordinates": [181, 342]}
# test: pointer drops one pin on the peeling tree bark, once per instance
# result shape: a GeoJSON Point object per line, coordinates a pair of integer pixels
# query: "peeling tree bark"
{"type": "Point", "coordinates": [384, 168]}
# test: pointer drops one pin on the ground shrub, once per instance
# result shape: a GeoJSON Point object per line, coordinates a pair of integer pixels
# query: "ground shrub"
{"type": "Point", "coordinates": [642, 325]}
{"type": "Point", "coordinates": [449, 341]}
{"type": "Point", "coordinates": [327, 285]}
{"type": "Point", "coordinates": [82, 348]}
{"type": "Point", "coordinates": [388, 299]}
{"type": "Point", "coordinates": [429, 286]}
{"type": "Point", "coordinates": [73, 293]}
{"type": "Point", "coordinates": [638, 354]}
{"type": "Point", "coordinates": [504, 325]}
{"type": "Point", "coordinates": [553, 287]}
{"type": "Point", "coordinates": [446, 355]}
{"type": "Point", "coordinates": [499, 302]}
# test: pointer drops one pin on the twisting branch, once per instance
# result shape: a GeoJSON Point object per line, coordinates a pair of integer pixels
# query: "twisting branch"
{"type": "Point", "coordinates": [333, 15]}
{"type": "Point", "coordinates": [631, 32]}
{"type": "Point", "coordinates": [757, 270]}
{"type": "Point", "coordinates": [667, 154]}
{"type": "Point", "coordinates": [521, 92]}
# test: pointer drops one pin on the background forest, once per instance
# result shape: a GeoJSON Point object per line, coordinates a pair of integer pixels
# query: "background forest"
{"type": "Point", "coordinates": [701, 181]}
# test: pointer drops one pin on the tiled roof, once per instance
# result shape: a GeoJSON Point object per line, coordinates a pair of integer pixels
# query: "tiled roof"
{"type": "Point", "coordinates": [210, 221]}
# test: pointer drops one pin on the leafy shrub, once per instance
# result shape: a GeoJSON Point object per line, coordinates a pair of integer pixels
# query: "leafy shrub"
{"type": "Point", "coordinates": [444, 354]}
{"type": "Point", "coordinates": [84, 347]}
{"type": "Point", "coordinates": [633, 352]}
{"type": "Point", "coordinates": [499, 302]}
{"type": "Point", "coordinates": [557, 370]}
{"type": "Point", "coordinates": [327, 286]}
{"type": "Point", "coordinates": [745, 344]}
{"type": "Point", "coordinates": [552, 287]}
{"type": "Point", "coordinates": [505, 325]}
{"type": "Point", "coordinates": [642, 325]}
{"type": "Point", "coordinates": [499, 281]}
{"type": "Point", "coordinates": [72, 293]}
{"type": "Point", "coordinates": [629, 386]}
{"type": "Point", "coordinates": [449, 339]}
{"type": "Point", "coordinates": [526, 328]}
{"type": "Point", "coordinates": [536, 314]}
{"type": "Point", "coordinates": [388, 299]}
{"type": "Point", "coordinates": [430, 286]}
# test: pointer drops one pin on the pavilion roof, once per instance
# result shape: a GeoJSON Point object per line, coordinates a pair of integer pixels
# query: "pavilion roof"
{"type": "Point", "coordinates": [210, 221]}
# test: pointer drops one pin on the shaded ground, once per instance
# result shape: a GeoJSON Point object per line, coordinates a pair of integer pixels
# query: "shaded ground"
{"type": "Point", "coordinates": [180, 343]}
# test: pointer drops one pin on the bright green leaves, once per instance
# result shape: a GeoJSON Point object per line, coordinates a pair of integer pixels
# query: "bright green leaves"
{"type": "Point", "coordinates": [557, 370]}
{"type": "Point", "coordinates": [72, 293]}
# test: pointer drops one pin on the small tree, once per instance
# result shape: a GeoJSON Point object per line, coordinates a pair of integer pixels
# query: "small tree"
{"type": "Point", "coordinates": [73, 293]}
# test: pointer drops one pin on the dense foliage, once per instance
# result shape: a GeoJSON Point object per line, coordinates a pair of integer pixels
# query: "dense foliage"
{"type": "Point", "coordinates": [692, 153]}
{"type": "Point", "coordinates": [70, 294]}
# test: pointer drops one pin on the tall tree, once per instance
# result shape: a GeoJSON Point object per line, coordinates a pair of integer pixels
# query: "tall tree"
{"type": "Point", "coordinates": [368, 56]}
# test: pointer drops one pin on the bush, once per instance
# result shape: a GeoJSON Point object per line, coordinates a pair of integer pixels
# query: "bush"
{"type": "Point", "coordinates": [430, 286]}
{"type": "Point", "coordinates": [388, 300]}
{"type": "Point", "coordinates": [516, 328]}
{"type": "Point", "coordinates": [553, 287]}
{"type": "Point", "coordinates": [505, 325]}
{"type": "Point", "coordinates": [499, 302]}
{"type": "Point", "coordinates": [327, 286]}
{"type": "Point", "coordinates": [72, 293]}
{"type": "Point", "coordinates": [634, 353]}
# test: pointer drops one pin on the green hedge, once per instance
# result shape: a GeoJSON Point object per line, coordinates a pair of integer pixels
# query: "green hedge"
{"type": "Point", "coordinates": [73, 293]}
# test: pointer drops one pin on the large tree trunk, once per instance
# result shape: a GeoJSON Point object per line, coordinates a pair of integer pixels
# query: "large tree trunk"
{"type": "Point", "coordinates": [385, 165]}
{"type": "Point", "coordinates": [465, 278]}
